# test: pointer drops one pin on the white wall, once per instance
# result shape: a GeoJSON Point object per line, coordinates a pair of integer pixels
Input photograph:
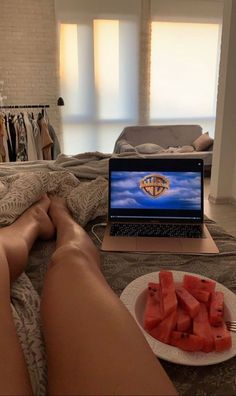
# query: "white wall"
{"type": "Point", "coordinates": [189, 9]}
{"type": "Point", "coordinates": [223, 181]}
{"type": "Point", "coordinates": [72, 10]}
{"type": "Point", "coordinates": [28, 54]}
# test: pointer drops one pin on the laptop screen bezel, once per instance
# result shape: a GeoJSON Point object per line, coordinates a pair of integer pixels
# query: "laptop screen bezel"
{"type": "Point", "coordinates": [149, 164]}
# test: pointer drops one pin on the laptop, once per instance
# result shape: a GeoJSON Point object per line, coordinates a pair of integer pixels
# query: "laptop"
{"type": "Point", "coordinates": [156, 205]}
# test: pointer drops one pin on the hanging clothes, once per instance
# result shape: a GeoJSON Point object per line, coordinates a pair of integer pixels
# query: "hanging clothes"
{"type": "Point", "coordinates": [11, 142]}
{"type": "Point", "coordinates": [21, 141]}
{"type": "Point", "coordinates": [55, 150]}
{"type": "Point", "coordinates": [12, 132]}
{"type": "Point", "coordinates": [2, 134]}
{"type": "Point", "coordinates": [31, 144]}
{"type": "Point", "coordinates": [37, 137]}
{"type": "Point", "coordinates": [27, 137]}
{"type": "Point", "coordinates": [47, 142]}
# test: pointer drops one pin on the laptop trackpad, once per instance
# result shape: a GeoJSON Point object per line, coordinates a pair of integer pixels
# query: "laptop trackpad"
{"type": "Point", "coordinates": [158, 245]}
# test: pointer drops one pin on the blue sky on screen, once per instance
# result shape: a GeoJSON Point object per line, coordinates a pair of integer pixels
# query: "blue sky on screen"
{"type": "Point", "coordinates": [184, 191]}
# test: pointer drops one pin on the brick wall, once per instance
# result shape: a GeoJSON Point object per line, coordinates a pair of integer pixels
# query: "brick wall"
{"type": "Point", "coordinates": [28, 54]}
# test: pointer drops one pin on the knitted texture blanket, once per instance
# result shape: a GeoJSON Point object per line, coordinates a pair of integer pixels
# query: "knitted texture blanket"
{"type": "Point", "coordinates": [18, 192]}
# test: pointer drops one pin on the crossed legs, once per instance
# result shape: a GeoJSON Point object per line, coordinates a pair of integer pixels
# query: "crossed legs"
{"type": "Point", "coordinates": [93, 345]}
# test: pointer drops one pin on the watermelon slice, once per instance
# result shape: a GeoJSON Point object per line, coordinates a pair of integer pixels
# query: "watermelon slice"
{"type": "Point", "coordinates": [154, 289]}
{"type": "Point", "coordinates": [167, 292]}
{"type": "Point", "coordinates": [216, 309]}
{"type": "Point", "coordinates": [186, 341]}
{"type": "Point", "coordinates": [164, 328]}
{"type": "Point", "coordinates": [184, 320]}
{"type": "Point", "coordinates": [191, 282]}
{"type": "Point", "coordinates": [192, 325]}
{"type": "Point", "coordinates": [189, 302]}
{"type": "Point", "coordinates": [200, 295]}
{"type": "Point", "coordinates": [222, 337]}
{"type": "Point", "coordinates": [152, 312]}
{"type": "Point", "coordinates": [202, 328]}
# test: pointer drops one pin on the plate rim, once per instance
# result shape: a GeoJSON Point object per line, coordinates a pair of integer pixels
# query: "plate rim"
{"type": "Point", "coordinates": [189, 358]}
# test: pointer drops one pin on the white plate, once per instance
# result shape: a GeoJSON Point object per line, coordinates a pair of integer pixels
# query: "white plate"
{"type": "Point", "coordinates": [134, 298]}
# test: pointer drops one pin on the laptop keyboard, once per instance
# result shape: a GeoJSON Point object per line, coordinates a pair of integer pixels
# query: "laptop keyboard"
{"type": "Point", "coordinates": [157, 230]}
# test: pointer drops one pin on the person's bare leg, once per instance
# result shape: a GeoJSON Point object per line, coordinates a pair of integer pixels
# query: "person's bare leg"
{"type": "Point", "coordinates": [93, 344]}
{"type": "Point", "coordinates": [16, 241]}
{"type": "Point", "coordinates": [18, 238]}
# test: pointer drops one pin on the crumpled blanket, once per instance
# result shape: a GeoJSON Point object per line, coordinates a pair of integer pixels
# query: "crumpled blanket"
{"type": "Point", "coordinates": [18, 192]}
{"type": "Point", "coordinates": [20, 187]}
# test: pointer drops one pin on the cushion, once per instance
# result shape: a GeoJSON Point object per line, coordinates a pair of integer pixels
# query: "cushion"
{"type": "Point", "coordinates": [185, 149]}
{"type": "Point", "coordinates": [149, 148]}
{"type": "Point", "coordinates": [203, 142]}
{"type": "Point", "coordinates": [124, 146]}
{"type": "Point", "coordinates": [179, 149]}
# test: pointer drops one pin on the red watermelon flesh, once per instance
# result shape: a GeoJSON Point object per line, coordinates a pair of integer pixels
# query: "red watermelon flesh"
{"type": "Point", "coordinates": [154, 290]}
{"type": "Point", "coordinates": [216, 309]}
{"type": "Point", "coordinates": [184, 320]}
{"type": "Point", "coordinates": [189, 302]}
{"type": "Point", "coordinates": [164, 328]}
{"type": "Point", "coordinates": [191, 282]}
{"type": "Point", "coordinates": [168, 329]}
{"type": "Point", "coordinates": [152, 312]}
{"type": "Point", "coordinates": [200, 295]}
{"type": "Point", "coordinates": [222, 337]}
{"type": "Point", "coordinates": [167, 292]}
{"type": "Point", "coordinates": [202, 328]}
{"type": "Point", "coordinates": [186, 341]}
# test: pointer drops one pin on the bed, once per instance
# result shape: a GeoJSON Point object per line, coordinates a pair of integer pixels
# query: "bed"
{"type": "Point", "coordinates": [82, 180]}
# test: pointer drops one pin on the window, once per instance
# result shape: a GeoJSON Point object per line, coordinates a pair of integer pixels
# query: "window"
{"type": "Point", "coordinates": [103, 86]}
{"type": "Point", "coordinates": [99, 82]}
{"type": "Point", "coordinates": [184, 73]}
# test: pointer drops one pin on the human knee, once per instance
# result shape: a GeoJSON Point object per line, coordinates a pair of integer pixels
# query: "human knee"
{"type": "Point", "coordinates": [68, 264]}
{"type": "Point", "coordinates": [68, 254]}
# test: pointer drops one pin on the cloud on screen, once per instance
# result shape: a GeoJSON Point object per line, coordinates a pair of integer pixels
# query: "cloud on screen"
{"type": "Point", "coordinates": [184, 191]}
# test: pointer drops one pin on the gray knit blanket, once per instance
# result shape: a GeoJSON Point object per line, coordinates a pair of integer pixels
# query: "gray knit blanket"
{"type": "Point", "coordinates": [82, 180]}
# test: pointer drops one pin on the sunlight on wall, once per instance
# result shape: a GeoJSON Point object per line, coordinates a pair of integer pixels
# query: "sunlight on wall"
{"type": "Point", "coordinates": [69, 65]}
{"type": "Point", "coordinates": [106, 63]}
{"type": "Point", "coordinates": [184, 70]}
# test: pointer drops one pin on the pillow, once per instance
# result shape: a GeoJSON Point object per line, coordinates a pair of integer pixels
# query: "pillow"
{"type": "Point", "coordinates": [148, 148]}
{"type": "Point", "coordinates": [203, 142]}
{"type": "Point", "coordinates": [173, 149]}
{"type": "Point", "coordinates": [124, 146]}
{"type": "Point", "coordinates": [127, 148]}
{"type": "Point", "coordinates": [185, 149]}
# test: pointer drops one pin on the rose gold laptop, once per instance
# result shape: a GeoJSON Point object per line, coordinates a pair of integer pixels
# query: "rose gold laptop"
{"type": "Point", "coordinates": [156, 205]}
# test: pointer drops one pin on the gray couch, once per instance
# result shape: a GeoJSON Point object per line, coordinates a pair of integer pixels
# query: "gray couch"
{"type": "Point", "coordinates": [175, 141]}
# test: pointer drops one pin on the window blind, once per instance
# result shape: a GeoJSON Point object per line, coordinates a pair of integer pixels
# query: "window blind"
{"type": "Point", "coordinates": [136, 62]}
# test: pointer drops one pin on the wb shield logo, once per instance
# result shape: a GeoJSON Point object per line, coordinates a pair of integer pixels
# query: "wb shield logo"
{"type": "Point", "coordinates": [154, 185]}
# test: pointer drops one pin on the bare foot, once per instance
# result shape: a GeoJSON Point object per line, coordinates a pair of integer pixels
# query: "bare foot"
{"type": "Point", "coordinates": [17, 239]}
{"type": "Point", "coordinates": [39, 212]}
{"type": "Point", "coordinates": [70, 234]}
{"type": "Point", "coordinates": [36, 218]}
{"type": "Point", "coordinates": [58, 211]}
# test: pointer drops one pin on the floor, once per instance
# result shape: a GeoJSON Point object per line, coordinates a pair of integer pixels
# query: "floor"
{"type": "Point", "coordinates": [223, 214]}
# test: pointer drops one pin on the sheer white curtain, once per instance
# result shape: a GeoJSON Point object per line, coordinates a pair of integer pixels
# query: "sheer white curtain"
{"type": "Point", "coordinates": [136, 62]}
{"type": "Point", "coordinates": [185, 54]}
{"type": "Point", "coordinates": [99, 74]}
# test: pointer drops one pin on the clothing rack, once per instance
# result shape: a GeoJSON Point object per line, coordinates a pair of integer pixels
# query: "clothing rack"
{"type": "Point", "coordinates": [24, 106]}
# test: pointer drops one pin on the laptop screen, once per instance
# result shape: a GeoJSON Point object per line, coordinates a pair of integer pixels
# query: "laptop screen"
{"type": "Point", "coordinates": [158, 189]}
